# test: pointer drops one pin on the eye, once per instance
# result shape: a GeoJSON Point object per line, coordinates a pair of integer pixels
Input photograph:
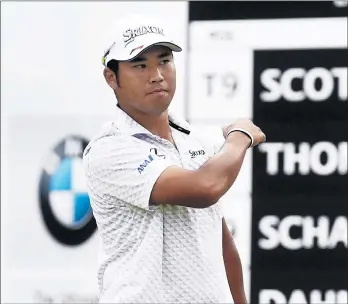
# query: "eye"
{"type": "Point", "coordinates": [165, 61]}
{"type": "Point", "coordinates": [140, 66]}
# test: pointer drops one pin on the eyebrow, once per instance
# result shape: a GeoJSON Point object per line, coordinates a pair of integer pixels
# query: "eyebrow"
{"type": "Point", "coordinates": [160, 56]}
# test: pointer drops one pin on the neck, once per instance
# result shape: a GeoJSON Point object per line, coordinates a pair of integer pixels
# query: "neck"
{"type": "Point", "coordinates": [156, 124]}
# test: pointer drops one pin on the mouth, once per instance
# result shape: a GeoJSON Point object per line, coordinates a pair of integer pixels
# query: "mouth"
{"type": "Point", "coordinates": [157, 91]}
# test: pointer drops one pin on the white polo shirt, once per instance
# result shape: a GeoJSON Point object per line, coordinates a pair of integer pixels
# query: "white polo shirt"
{"type": "Point", "coordinates": [152, 254]}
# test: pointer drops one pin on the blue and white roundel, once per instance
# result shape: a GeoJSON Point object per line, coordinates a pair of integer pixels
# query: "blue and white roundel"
{"type": "Point", "coordinates": [64, 201]}
{"type": "Point", "coordinates": [68, 195]}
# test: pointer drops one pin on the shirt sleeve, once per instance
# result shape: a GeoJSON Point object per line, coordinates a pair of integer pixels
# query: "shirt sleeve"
{"type": "Point", "coordinates": [124, 169]}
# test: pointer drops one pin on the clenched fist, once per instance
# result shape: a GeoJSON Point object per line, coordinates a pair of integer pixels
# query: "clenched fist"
{"type": "Point", "coordinates": [247, 127]}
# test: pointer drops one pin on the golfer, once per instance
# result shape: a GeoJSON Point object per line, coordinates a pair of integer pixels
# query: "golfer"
{"type": "Point", "coordinates": [155, 185]}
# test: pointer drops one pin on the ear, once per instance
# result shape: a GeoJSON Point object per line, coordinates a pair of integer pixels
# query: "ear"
{"type": "Point", "coordinates": [110, 78]}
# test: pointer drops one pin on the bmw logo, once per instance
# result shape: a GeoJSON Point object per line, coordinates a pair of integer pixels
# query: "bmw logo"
{"type": "Point", "coordinates": [63, 196]}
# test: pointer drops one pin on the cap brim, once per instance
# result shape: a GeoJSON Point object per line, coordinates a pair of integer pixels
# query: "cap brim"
{"type": "Point", "coordinates": [125, 56]}
{"type": "Point", "coordinates": [174, 47]}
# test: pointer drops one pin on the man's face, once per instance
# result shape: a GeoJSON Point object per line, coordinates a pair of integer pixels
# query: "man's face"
{"type": "Point", "coordinates": [147, 83]}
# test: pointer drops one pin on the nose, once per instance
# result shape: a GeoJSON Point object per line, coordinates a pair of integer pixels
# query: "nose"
{"type": "Point", "coordinates": [156, 76]}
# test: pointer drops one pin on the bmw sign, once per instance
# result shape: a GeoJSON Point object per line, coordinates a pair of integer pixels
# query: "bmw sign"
{"type": "Point", "coordinates": [63, 196]}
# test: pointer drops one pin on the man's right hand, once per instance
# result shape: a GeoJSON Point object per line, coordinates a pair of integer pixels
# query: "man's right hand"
{"type": "Point", "coordinates": [247, 125]}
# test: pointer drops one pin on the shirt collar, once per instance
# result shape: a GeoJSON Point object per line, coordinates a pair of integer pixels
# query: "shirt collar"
{"type": "Point", "coordinates": [128, 125]}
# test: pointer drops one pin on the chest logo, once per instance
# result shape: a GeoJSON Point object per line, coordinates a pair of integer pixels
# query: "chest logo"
{"type": "Point", "coordinates": [196, 153]}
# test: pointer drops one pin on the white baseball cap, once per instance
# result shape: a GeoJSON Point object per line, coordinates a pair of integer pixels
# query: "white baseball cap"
{"type": "Point", "coordinates": [134, 34]}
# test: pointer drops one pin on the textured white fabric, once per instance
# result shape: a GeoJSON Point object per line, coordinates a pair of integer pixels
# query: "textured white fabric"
{"type": "Point", "coordinates": [152, 254]}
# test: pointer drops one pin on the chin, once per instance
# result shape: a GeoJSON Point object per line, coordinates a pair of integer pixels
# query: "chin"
{"type": "Point", "coordinates": [159, 105]}
{"type": "Point", "coordinates": [160, 98]}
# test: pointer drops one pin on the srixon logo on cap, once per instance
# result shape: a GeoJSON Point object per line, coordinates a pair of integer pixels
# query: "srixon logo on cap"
{"type": "Point", "coordinates": [130, 34]}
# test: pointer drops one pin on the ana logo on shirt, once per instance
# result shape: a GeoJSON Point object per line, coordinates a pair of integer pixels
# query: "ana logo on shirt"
{"type": "Point", "coordinates": [149, 159]}
{"type": "Point", "coordinates": [145, 163]}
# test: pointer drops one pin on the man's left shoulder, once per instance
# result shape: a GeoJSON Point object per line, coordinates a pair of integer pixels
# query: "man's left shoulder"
{"type": "Point", "coordinates": [210, 137]}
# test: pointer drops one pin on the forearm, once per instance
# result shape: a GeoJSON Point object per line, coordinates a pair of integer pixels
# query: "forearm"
{"type": "Point", "coordinates": [233, 267]}
{"type": "Point", "coordinates": [202, 188]}
{"type": "Point", "coordinates": [220, 172]}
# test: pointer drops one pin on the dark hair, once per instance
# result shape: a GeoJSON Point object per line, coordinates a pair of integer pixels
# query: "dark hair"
{"type": "Point", "coordinates": [113, 66]}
